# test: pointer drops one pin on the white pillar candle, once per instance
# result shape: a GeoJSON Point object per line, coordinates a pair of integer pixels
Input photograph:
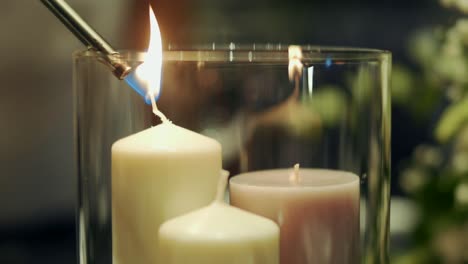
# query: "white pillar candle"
{"type": "Point", "coordinates": [317, 211]}
{"type": "Point", "coordinates": [157, 174]}
{"type": "Point", "coordinates": [219, 234]}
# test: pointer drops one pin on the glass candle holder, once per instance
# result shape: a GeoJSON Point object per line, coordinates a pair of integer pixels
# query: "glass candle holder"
{"type": "Point", "coordinates": [328, 108]}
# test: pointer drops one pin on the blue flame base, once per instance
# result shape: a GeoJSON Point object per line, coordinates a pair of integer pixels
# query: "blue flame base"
{"type": "Point", "coordinates": [141, 87]}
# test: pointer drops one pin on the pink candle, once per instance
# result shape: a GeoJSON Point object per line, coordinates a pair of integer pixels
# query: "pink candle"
{"type": "Point", "coordinates": [317, 211]}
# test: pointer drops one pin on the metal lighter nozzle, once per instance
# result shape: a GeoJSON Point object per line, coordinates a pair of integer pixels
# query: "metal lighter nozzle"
{"type": "Point", "coordinates": [89, 37]}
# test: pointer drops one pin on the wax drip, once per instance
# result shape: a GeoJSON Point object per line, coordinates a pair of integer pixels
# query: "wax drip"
{"type": "Point", "coordinates": [222, 184]}
{"type": "Point", "coordinates": [157, 112]}
{"type": "Point", "coordinates": [294, 177]}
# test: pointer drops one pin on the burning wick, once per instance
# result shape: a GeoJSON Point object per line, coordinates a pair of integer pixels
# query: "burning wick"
{"type": "Point", "coordinates": [294, 176]}
{"type": "Point", "coordinates": [146, 79]}
{"type": "Point", "coordinates": [157, 112]}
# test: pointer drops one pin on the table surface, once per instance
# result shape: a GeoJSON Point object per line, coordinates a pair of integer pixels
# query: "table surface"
{"type": "Point", "coordinates": [51, 243]}
{"type": "Point", "coordinates": [54, 242]}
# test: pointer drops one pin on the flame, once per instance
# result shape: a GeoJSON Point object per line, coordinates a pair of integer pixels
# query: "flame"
{"type": "Point", "coordinates": [150, 69]}
{"type": "Point", "coordinates": [295, 64]}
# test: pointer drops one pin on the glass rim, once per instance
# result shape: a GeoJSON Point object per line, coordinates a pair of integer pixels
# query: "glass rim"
{"type": "Point", "coordinates": [254, 53]}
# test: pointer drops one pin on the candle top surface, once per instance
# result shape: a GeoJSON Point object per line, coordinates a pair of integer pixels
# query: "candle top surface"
{"type": "Point", "coordinates": [166, 137]}
{"type": "Point", "coordinates": [218, 222]}
{"type": "Point", "coordinates": [309, 178]}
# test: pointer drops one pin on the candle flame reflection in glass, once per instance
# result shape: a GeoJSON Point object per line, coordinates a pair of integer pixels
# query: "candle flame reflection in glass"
{"type": "Point", "coordinates": [295, 64]}
{"type": "Point", "coordinates": [146, 78]}
{"type": "Point", "coordinates": [310, 79]}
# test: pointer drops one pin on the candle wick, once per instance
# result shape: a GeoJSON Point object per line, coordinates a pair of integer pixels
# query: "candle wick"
{"type": "Point", "coordinates": [294, 177]}
{"type": "Point", "coordinates": [222, 184]}
{"type": "Point", "coordinates": [157, 112]}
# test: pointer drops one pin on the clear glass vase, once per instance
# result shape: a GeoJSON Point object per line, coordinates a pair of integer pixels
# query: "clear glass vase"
{"type": "Point", "coordinates": [333, 112]}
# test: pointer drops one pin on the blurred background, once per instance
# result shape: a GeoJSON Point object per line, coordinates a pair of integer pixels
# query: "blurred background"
{"type": "Point", "coordinates": [429, 42]}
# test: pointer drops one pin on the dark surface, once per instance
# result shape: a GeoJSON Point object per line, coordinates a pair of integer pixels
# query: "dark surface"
{"type": "Point", "coordinates": [52, 242]}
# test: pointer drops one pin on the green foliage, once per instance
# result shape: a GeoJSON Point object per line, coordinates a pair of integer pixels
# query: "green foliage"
{"type": "Point", "coordinates": [452, 120]}
{"type": "Point", "coordinates": [437, 176]}
{"type": "Point", "coordinates": [330, 103]}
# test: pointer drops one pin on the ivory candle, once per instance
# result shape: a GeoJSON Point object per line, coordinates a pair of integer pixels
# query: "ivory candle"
{"type": "Point", "coordinates": [317, 211]}
{"type": "Point", "coordinates": [157, 174]}
{"type": "Point", "coordinates": [217, 234]}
